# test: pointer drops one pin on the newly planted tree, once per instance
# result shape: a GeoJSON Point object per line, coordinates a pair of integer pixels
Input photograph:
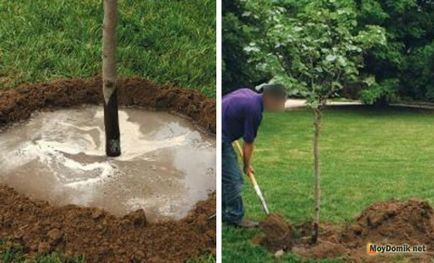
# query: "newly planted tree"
{"type": "Point", "coordinates": [111, 119]}
{"type": "Point", "coordinates": [314, 52]}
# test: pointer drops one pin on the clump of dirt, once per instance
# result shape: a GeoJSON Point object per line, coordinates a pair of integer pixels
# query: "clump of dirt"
{"type": "Point", "coordinates": [393, 222]}
{"type": "Point", "coordinates": [278, 233]}
{"type": "Point", "coordinates": [38, 227]}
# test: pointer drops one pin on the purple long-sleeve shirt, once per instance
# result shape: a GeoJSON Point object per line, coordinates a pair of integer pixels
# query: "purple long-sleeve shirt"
{"type": "Point", "coordinates": [241, 115]}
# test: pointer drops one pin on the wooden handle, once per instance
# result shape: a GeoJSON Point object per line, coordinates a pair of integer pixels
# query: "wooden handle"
{"type": "Point", "coordinates": [250, 175]}
{"type": "Point", "coordinates": [254, 183]}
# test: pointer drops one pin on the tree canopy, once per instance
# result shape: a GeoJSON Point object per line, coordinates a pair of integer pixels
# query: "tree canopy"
{"type": "Point", "coordinates": [402, 68]}
{"type": "Point", "coordinates": [314, 52]}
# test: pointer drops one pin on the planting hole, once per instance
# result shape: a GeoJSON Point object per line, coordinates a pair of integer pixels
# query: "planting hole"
{"type": "Point", "coordinates": [166, 165]}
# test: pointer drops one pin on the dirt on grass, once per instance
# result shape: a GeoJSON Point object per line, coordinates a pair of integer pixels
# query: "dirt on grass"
{"type": "Point", "coordinates": [386, 223]}
{"type": "Point", "coordinates": [39, 228]}
{"type": "Point", "coordinates": [278, 233]}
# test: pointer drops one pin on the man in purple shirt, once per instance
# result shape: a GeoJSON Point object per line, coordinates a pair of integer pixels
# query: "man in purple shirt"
{"type": "Point", "coordinates": [241, 117]}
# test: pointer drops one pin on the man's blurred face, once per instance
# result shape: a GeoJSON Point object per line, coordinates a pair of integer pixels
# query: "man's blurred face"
{"type": "Point", "coordinates": [274, 104]}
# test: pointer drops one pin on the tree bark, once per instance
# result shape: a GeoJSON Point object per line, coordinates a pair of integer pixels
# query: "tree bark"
{"type": "Point", "coordinates": [317, 172]}
{"type": "Point", "coordinates": [111, 119]}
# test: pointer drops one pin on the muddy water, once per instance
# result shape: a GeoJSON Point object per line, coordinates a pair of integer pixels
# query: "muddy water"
{"type": "Point", "coordinates": [166, 164]}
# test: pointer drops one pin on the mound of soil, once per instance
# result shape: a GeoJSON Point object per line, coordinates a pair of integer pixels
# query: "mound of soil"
{"type": "Point", "coordinates": [278, 234]}
{"type": "Point", "coordinates": [38, 227]}
{"type": "Point", "coordinates": [394, 222]}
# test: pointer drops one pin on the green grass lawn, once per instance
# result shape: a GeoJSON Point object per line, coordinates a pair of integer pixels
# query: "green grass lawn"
{"type": "Point", "coordinates": [164, 41]}
{"type": "Point", "coordinates": [368, 155]}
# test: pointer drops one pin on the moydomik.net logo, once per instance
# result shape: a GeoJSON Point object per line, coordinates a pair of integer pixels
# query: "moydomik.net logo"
{"type": "Point", "coordinates": [374, 249]}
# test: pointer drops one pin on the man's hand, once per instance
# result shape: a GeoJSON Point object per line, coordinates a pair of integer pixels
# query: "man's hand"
{"type": "Point", "coordinates": [249, 170]}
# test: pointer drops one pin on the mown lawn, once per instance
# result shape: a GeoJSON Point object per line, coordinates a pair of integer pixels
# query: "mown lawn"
{"type": "Point", "coordinates": [368, 155]}
{"type": "Point", "coordinates": [164, 41]}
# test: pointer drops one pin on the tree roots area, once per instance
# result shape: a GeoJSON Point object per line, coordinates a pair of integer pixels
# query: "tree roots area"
{"type": "Point", "coordinates": [38, 227]}
{"type": "Point", "coordinates": [401, 228]}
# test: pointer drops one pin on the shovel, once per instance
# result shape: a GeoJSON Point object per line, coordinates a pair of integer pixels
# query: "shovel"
{"type": "Point", "coordinates": [254, 183]}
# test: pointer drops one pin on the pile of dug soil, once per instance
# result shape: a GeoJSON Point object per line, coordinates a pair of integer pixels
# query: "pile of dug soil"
{"type": "Point", "coordinates": [39, 227]}
{"type": "Point", "coordinates": [277, 233]}
{"type": "Point", "coordinates": [394, 222]}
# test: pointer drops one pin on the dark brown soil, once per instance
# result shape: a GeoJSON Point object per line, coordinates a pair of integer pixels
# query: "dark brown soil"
{"type": "Point", "coordinates": [394, 222]}
{"type": "Point", "coordinates": [278, 234]}
{"type": "Point", "coordinates": [38, 227]}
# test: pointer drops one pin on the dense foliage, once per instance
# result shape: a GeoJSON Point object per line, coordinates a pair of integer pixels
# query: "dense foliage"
{"type": "Point", "coordinates": [405, 66]}
{"type": "Point", "coordinates": [401, 69]}
{"type": "Point", "coordinates": [315, 51]}
{"type": "Point", "coordinates": [237, 33]}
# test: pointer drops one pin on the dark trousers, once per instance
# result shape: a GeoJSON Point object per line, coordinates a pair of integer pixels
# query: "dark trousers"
{"type": "Point", "coordinates": [232, 184]}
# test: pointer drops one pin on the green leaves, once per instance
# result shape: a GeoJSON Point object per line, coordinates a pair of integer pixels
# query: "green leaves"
{"type": "Point", "coordinates": [408, 25]}
{"type": "Point", "coordinates": [384, 90]}
{"type": "Point", "coordinates": [316, 51]}
{"type": "Point", "coordinates": [371, 36]}
{"type": "Point", "coordinates": [331, 58]}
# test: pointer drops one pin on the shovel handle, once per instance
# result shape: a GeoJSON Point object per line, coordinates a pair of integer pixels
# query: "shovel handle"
{"type": "Point", "coordinates": [250, 175]}
{"type": "Point", "coordinates": [254, 183]}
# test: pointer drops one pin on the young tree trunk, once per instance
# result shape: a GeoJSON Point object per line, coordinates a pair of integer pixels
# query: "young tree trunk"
{"type": "Point", "coordinates": [316, 166]}
{"type": "Point", "coordinates": [111, 119]}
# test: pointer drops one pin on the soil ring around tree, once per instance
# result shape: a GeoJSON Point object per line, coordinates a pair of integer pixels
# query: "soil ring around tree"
{"type": "Point", "coordinates": [392, 222]}
{"type": "Point", "coordinates": [38, 227]}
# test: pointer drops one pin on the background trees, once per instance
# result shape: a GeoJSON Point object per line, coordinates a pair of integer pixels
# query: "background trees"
{"type": "Point", "coordinates": [403, 68]}
{"type": "Point", "coordinates": [238, 30]}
